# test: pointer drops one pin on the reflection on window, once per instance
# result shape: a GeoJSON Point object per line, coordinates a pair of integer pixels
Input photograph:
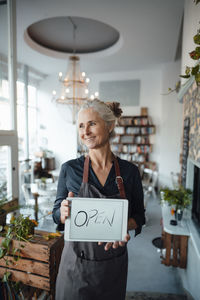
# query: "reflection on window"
{"type": "Point", "coordinates": [32, 120]}
{"type": "Point", "coordinates": [5, 176]}
{"type": "Point", "coordinates": [5, 111]}
{"type": "Point", "coordinates": [5, 116]}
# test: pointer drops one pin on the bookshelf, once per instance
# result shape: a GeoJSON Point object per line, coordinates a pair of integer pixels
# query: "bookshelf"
{"type": "Point", "coordinates": [132, 140]}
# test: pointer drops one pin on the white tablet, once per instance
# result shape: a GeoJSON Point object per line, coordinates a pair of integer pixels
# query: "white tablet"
{"type": "Point", "coordinates": [97, 220]}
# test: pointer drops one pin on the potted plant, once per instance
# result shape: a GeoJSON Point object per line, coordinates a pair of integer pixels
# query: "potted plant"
{"type": "Point", "coordinates": [179, 198]}
{"type": "Point", "coordinates": [21, 228]}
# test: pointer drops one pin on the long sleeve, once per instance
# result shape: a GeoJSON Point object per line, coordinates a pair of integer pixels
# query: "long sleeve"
{"type": "Point", "coordinates": [62, 193]}
{"type": "Point", "coordinates": [137, 203]}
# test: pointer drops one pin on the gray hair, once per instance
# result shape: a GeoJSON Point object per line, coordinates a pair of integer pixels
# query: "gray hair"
{"type": "Point", "coordinates": [104, 110]}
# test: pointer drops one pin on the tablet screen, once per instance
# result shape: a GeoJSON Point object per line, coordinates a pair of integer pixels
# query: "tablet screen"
{"type": "Point", "coordinates": [97, 219]}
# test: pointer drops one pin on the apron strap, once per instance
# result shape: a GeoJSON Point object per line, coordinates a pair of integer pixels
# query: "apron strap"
{"type": "Point", "coordinates": [86, 169]}
{"type": "Point", "coordinates": [118, 179]}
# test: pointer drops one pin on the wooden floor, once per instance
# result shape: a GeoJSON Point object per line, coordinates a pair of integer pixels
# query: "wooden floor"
{"type": "Point", "coordinates": [154, 296]}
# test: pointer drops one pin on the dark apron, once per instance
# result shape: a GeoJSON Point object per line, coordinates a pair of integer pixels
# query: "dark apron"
{"type": "Point", "coordinates": [87, 271]}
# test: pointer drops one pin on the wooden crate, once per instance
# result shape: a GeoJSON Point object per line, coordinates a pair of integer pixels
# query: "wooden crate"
{"type": "Point", "coordinates": [39, 262]}
{"type": "Point", "coordinates": [176, 250]}
{"type": "Point", "coordinates": [10, 205]}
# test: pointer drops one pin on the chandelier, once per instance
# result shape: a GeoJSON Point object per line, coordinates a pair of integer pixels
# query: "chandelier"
{"type": "Point", "coordinates": [75, 84]}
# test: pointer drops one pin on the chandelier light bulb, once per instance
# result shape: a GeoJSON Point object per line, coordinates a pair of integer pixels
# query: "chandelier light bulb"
{"type": "Point", "coordinates": [74, 86]}
{"type": "Point", "coordinates": [92, 97]}
{"type": "Point", "coordinates": [96, 94]}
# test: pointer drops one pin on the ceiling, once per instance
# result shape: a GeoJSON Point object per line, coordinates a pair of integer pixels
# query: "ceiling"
{"type": "Point", "coordinates": [71, 35]}
{"type": "Point", "coordinates": [149, 33]}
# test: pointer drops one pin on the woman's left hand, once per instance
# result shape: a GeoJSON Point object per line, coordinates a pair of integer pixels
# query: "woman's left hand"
{"type": "Point", "coordinates": [116, 244]}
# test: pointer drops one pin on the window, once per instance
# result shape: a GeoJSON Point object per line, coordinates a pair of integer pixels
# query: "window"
{"type": "Point", "coordinates": [32, 119]}
{"type": "Point", "coordinates": [8, 130]}
{"type": "Point", "coordinates": [5, 111]}
{"type": "Point", "coordinates": [5, 180]}
{"type": "Point", "coordinates": [32, 116]}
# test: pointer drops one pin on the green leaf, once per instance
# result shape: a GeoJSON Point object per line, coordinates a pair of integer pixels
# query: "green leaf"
{"type": "Point", "coordinates": [197, 50]}
{"type": "Point", "coordinates": [194, 55]}
{"type": "Point", "coordinates": [184, 76]}
{"type": "Point", "coordinates": [15, 250]}
{"type": "Point", "coordinates": [6, 276]}
{"type": "Point", "coordinates": [2, 252]}
{"type": "Point", "coordinates": [195, 70]}
{"type": "Point", "coordinates": [1, 228]}
{"type": "Point", "coordinates": [196, 39]}
{"type": "Point", "coordinates": [5, 243]}
{"type": "Point", "coordinates": [197, 77]}
{"type": "Point", "coordinates": [9, 231]}
{"type": "Point", "coordinates": [16, 258]}
{"type": "Point", "coordinates": [187, 70]}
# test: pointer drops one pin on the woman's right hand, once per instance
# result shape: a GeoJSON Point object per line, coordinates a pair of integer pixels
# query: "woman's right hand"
{"type": "Point", "coordinates": [65, 208]}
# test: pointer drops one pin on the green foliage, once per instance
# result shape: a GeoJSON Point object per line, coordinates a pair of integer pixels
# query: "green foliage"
{"type": "Point", "coordinates": [6, 276]}
{"type": "Point", "coordinates": [180, 198]}
{"type": "Point", "coordinates": [196, 1]}
{"type": "Point", "coordinates": [195, 55]}
{"type": "Point", "coordinates": [175, 89]}
{"type": "Point", "coordinates": [3, 194]}
{"type": "Point", "coordinates": [21, 229]}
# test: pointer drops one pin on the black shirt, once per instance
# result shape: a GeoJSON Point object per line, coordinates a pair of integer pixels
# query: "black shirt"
{"type": "Point", "coordinates": [70, 180]}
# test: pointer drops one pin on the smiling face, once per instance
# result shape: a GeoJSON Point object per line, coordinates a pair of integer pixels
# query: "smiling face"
{"type": "Point", "coordinates": [93, 131]}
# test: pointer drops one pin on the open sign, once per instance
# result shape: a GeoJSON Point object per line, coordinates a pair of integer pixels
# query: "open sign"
{"type": "Point", "coordinates": [97, 219]}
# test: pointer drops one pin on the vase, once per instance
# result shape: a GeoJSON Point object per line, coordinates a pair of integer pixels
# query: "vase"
{"type": "Point", "coordinates": [178, 214]}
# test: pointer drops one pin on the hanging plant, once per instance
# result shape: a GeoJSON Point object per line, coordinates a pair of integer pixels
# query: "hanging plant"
{"type": "Point", "coordinates": [175, 89]}
{"type": "Point", "coordinates": [191, 71]}
{"type": "Point", "coordinates": [195, 55]}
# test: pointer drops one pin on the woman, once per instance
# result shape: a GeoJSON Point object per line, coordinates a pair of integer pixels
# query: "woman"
{"type": "Point", "coordinates": [94, 271]}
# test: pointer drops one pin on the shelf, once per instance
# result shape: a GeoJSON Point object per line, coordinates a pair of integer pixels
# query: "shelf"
{"type": "Point", "coordinates": [137, 144]}
{"type": "Point", "coordinates": [132, 153]}
{"type": "Point", "coordinates": [132, 139]}
{"type": "Point", "coordinates": [133, 125]}
{"type": "Point", "coordinates": [135, 117]}
{"type": "Point", "coordinates": [132, 134]}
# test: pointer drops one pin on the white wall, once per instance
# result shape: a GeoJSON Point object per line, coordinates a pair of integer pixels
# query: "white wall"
{"type": "Point", "coordinates": [171, 124]}
{"type": "Point", "coordinates": [166, 142]}
{"type": "Point", "coordinates": [57, 120]}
